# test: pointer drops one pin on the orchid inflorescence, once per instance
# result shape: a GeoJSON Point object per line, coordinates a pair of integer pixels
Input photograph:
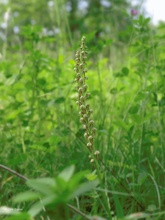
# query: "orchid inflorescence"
{"type": "Point", "coordinates": [85, 110]}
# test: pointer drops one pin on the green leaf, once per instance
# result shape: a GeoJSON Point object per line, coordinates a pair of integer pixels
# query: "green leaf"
{"type": "Point", "coordinates": [4, 210]}
{"type": "Point", "coordinates": [121, 124]}
{"type": "Point", "coordinates": [37, 207]}
{"type": "Point", "coordinates": [76, 179]}
{"type": "Point", "coordinates": [60, 100]}
{"type": "Point", "coordinates": [43, 185]}
{"type": "Point", "coordinates": [85, 187]}
{"type": "Point", "coordinates": [37, 148]}
{"type": "Point", "coordinates": [91, 176]}
{"type": "Point", "coordinates": [113, 91]}
{"type": "Point", "coordinates": [26, 196]}
{"type": "Point", "coordinates": [20, 216]}
{"type": "Point", "coordinates": [134, 109]}
{"type": "Point", "coordinates": [162, 101]}
{"type": "Point", "coordinates": [62, 185]}
{"type": "Point", "coordinates": [125, 71]}
{"type": "Point", "coordinates": [141, 96]}
{"type": "Point", "coordinates": [136, 216]}
{"type": "Point", "coordinates": [67, 173]}
{"type": "Point", "coordinates": [141, 178]}
{"type": "Point", "coordinates": [152, 208]}
{"type": "Point", "coordinates": [147, 20]}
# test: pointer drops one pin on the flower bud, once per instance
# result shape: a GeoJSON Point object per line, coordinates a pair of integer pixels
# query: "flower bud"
{"type": "Point", "coordinates": [94, 131]}
{"type": "Point", "coordinates": [78, 75]}
{"type": "Point", "coordinates": [87, 95]}
{"type": "Point", "coordinates": [82, 107]}
{"type": "Point", "coordinates": [96, 152]}
{"type": "Point", "coordinates": [86, 135]}
{"type": "Point", "coordinates": [84, 87]}
{"type": "Point", "coordinates": [91, 122]}
{"type": "Point", "coordinates": [87, 106]}
{"type": "Point", "coordinates": [82, 98]}
{"type": "Point", "coordinates": [85, 127]}
{"type": "Point", "coordinates": [90, 138]}
{"type": "Point", "coordinates": [90, 111]}
{"type": "Point", "coordinates": [82, 120]}
{"type": "Point", "coordinates": [89, 144]}
{"type": "Point", "coordinates": [80, 90]}
{"type": "Point", "coordinates": [84, 53]}
{"type": "Point", "coordinates": [77, 53]}
{"type": "Point", "coordinates": [81, 65]}
{"type": "Point", "coordinates": [81, 81]}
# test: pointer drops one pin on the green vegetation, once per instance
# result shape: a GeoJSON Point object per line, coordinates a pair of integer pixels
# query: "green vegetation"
{"type": "Point", "coordinates": [82, 118]}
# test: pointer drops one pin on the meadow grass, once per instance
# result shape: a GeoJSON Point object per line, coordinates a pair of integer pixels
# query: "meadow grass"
{"type": "Point", "coordinates": [42, 133]}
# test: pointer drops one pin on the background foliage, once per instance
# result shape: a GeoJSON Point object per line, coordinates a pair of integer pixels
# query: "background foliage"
{"type": "Point", "coordinates": [40, 131]}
